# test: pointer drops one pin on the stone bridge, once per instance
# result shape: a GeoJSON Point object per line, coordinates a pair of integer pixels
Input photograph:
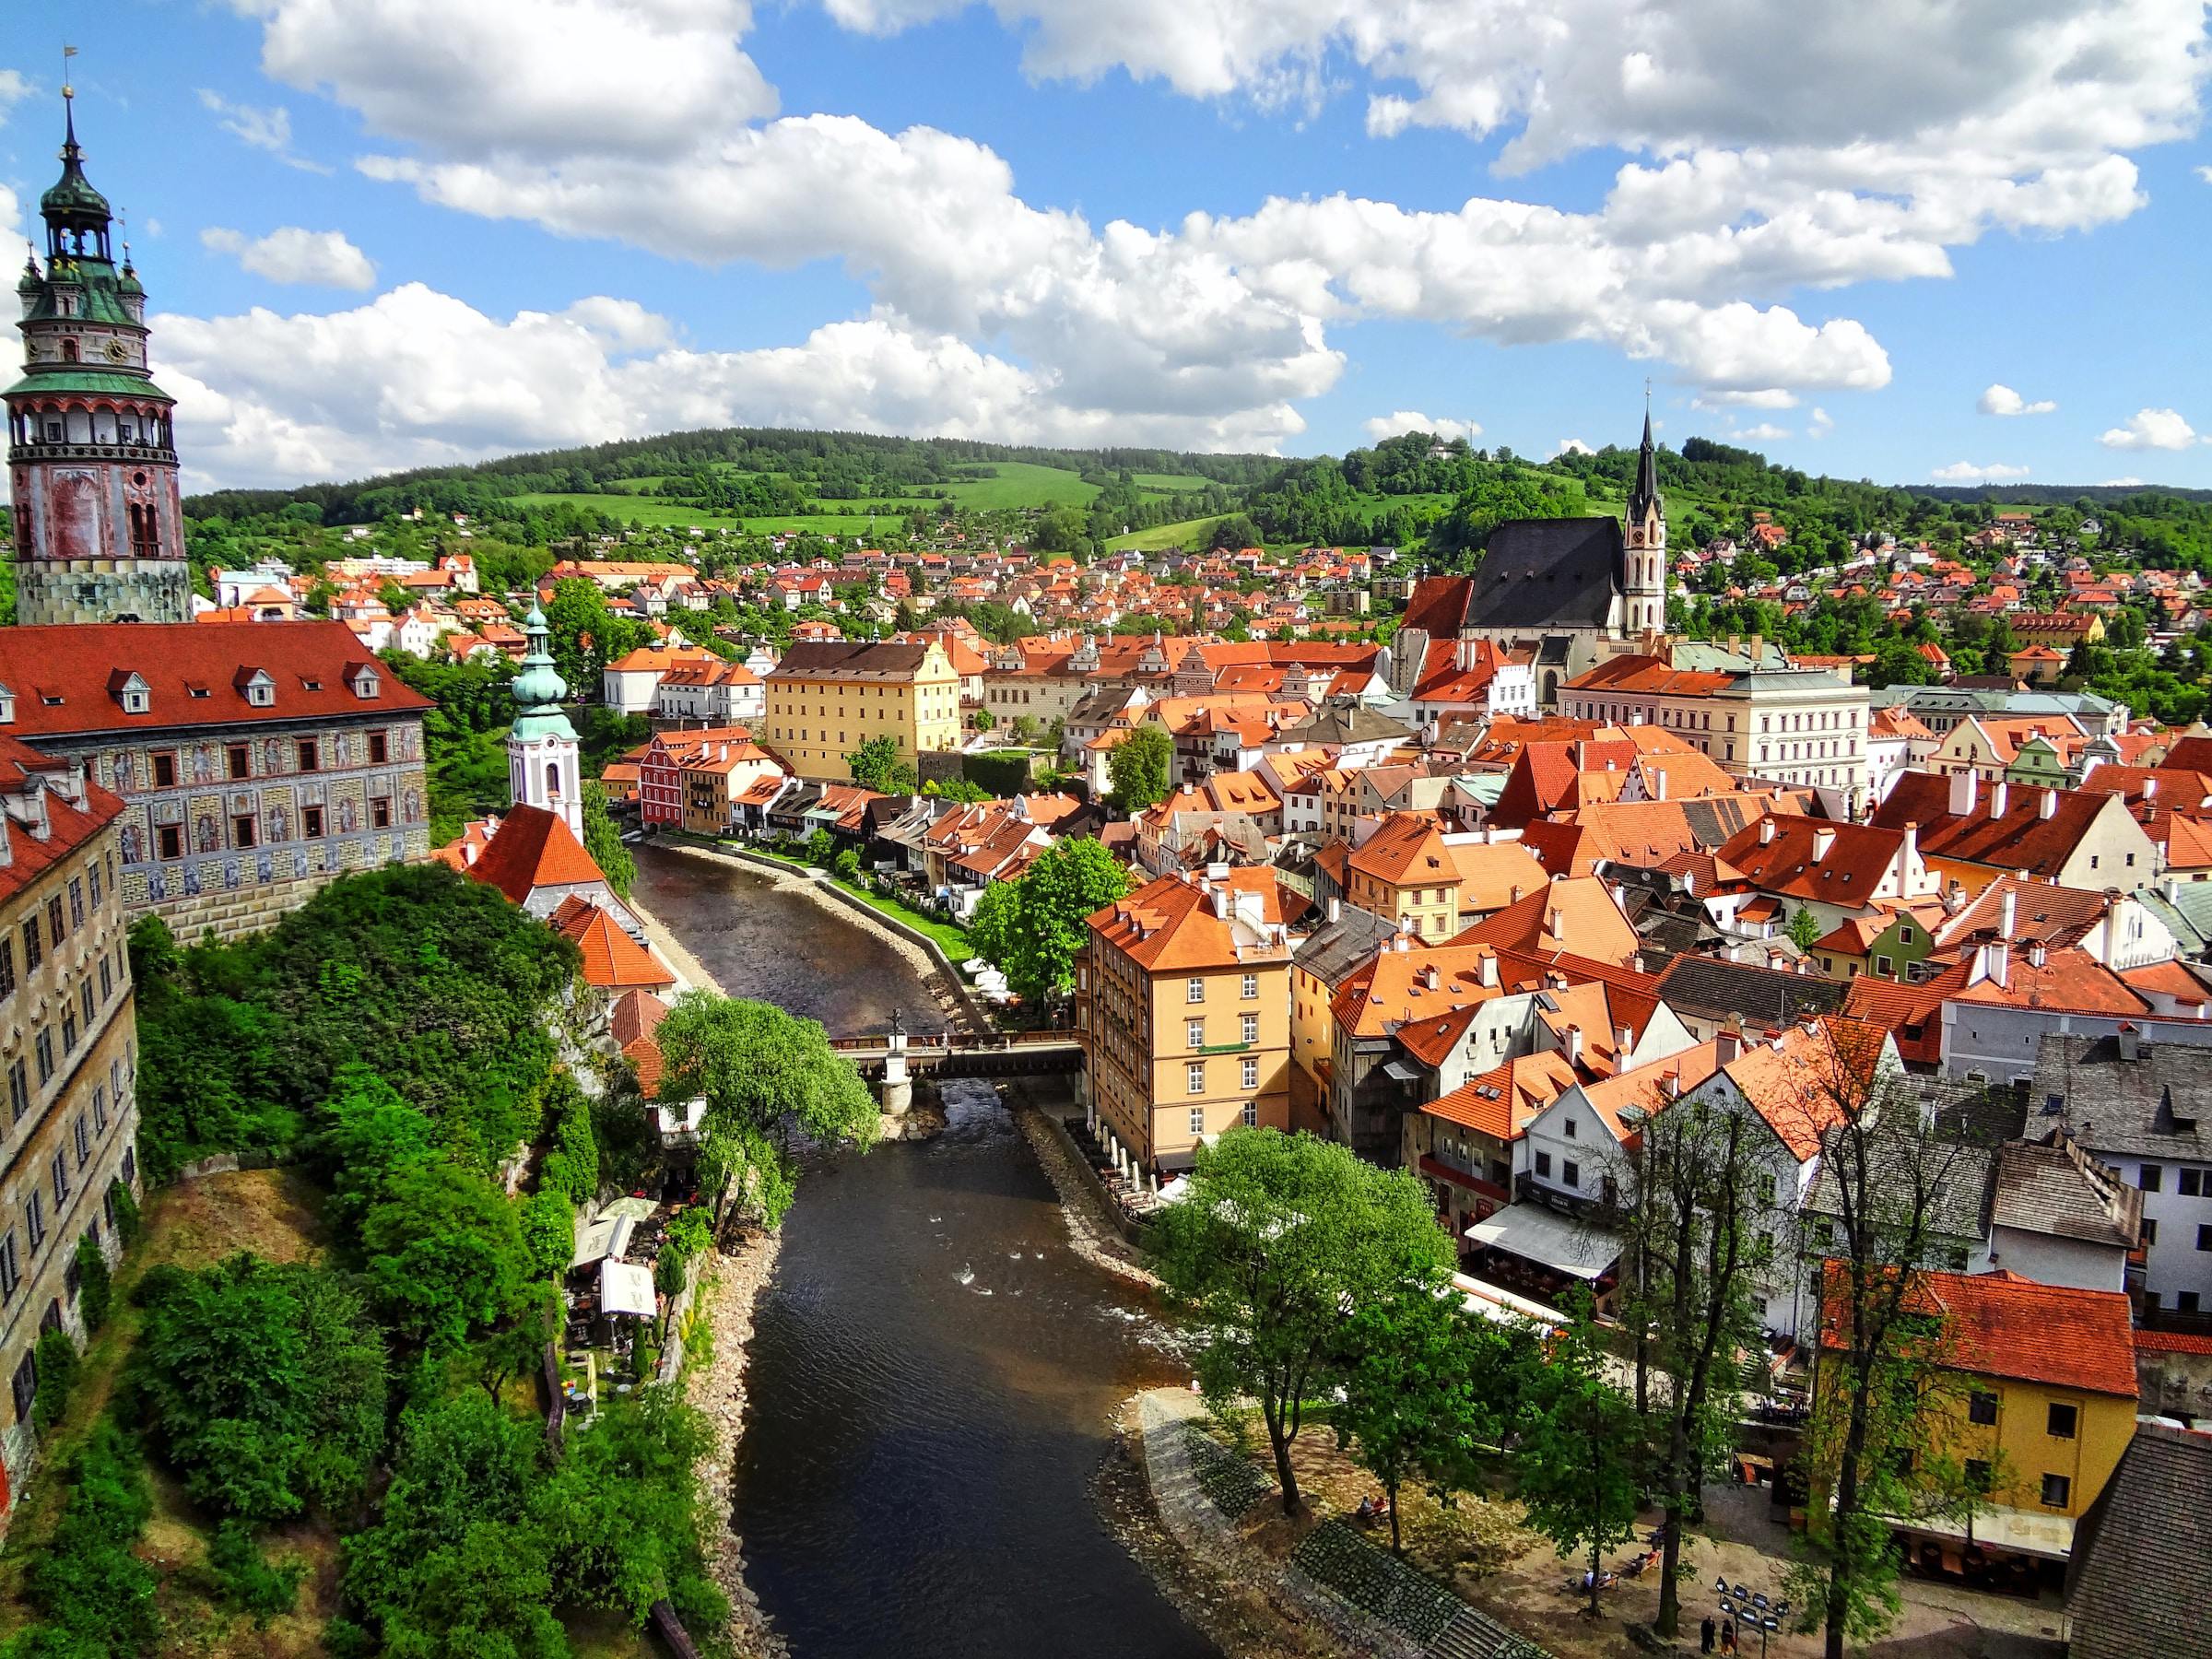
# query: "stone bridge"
{"type": "Point", "coordinates": [963, 1054]}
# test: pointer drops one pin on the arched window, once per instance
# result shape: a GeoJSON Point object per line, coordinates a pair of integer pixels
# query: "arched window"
{"type": "Point", "coordinates": [552, 780]}
{"type": "Point", "coordinates": [68, 351]}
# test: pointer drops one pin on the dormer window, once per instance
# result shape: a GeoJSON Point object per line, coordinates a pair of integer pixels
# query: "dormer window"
{"type": "Point", "coordinates": [259, 685]}
{"type": "Point", "coordinates": [367, 685]}
{"type": "Point", "coordinates": [131, 691]}
{"type": "Point", "coordinates": [8, 706]}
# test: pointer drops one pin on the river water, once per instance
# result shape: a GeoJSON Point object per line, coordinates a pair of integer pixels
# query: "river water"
{"type": "Point", "coordinates": [932, 1365]}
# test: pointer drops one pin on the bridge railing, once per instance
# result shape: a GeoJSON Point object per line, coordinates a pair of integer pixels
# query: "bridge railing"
{"type": "Point", "coordinates": [960, 1042]}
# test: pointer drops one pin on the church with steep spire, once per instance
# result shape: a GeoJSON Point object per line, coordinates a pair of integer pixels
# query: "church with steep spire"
{"type": "Point", "coordinates": [1556, 596]}
{"type": "Point", "coordinates": [92, 459]}
{"type": "Point", "coordinates": [543, 768]}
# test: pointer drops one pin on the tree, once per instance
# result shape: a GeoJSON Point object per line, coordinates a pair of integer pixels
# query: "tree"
{"type": "Point", "coordinates": [1873, 1448]}
{"type": "Point", "coordinates": [1142, 767]}
{"type": "Point", "coordinates": [1695, 1240]}
{"type": "Point", "coordinates": [604, 841]}
{"type": "Point", "coordinates": [874, 762]}
{"type": "Point", "coordinates": [548, 1227]}
{"type": "Point", "coordinates": [445, 1255]}
{"type": "Point", "coordinates": [95, 1284]}
{"type": "Point", "coordinates": [1277, 1236]}
{"type": "Point", "coordinates": [1580, 1452]}
{"type": "Point", "coordinates": [1033, 927]}
{"type": "Point", "coordinates": [758, 1067]}
{"type": "Point", "coordinates": [262, 1386]}
{"type": "Point", "coordinates": [1425, 1384]}
{"type": "Point", "coordinates": [1805, 927]}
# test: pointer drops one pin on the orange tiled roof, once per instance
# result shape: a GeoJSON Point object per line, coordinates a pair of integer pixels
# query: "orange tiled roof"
{"type": "Point", "coordinates": [1999, 1325]}
{"type": "Point", "coordinates": [612, 959]}
{"type": "Point", "coordinates": [534, 848]}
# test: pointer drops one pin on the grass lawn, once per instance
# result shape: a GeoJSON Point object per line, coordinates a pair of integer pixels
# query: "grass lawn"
{"type": "Point", "coordinates": [653, 511]}
{"type": "Point", "coordinates": [1192, 533]}
{"type": "Point", "coordinates": [1170, 483]}
{"type": "Point", "coordinates": [1022, 484]}
{"type": "Point", "coordinates": [953, 941]}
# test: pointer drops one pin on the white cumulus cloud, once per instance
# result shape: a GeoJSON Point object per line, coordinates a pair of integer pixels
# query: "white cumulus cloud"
{"type": "Point", "coordinates": [1570, 446]}
{"type": "Point", "coordinates": [1766, 431]}
{"type": "Point", "coordinates": [2151, 429]}
{"type": "Point", "coordinates": [2001, 399]}
{"type": "Point", "coordinates": [289, 255]}
{"type": "Point", "coordinates": [1379, 427]}
{"type": "Point", "coordinates": [1820, 425]}
{"type": "Point", "coordinates": [1966, 472]}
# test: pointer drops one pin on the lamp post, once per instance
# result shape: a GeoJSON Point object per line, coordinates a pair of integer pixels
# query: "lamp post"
{"type": "Point", "coordinates": [1755, 1609]}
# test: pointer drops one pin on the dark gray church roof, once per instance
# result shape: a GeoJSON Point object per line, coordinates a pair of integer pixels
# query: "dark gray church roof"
{"type": "Point", "coordinates": [1548, 573]}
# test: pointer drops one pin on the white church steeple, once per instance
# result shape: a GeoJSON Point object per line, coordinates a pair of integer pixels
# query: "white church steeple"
{"type": "Point", "coordinates": [1643, 585]}
{"type": "Point", "coordinates": [543, 768]}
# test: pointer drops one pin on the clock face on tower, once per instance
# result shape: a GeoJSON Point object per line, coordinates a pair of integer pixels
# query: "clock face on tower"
{"type": "Point", "coordinates": [118, 352]}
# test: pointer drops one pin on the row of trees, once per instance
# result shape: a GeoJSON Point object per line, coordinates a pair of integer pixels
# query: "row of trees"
{"type": "Point", "coordinates": [1312, 1274]}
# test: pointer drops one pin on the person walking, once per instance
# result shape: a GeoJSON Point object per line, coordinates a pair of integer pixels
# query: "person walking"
{"type": "Point", "coordinates": [1728, 1636]}
{"type": "Point", "coordinates": [1706, 1633]}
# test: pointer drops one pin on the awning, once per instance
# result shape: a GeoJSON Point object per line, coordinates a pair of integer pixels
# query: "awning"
{"type": "Point", "coordinates": [1500, 1305]}
{"type": "Point", "coordinates": [625, 1288]}
{"type": "Point", "coordinates": [1402, 1071]}
{"type": "Point", "coordinates": [1549, 1238]}
{"type": "Point", "coordinates": [607, 1235]}
{"type": "Point", "coordinates": [2015, 1531]}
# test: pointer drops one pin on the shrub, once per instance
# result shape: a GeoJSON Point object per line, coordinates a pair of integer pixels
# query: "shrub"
{"type": "Point", "coordinates": [95, 1597]}
{"type": "Point", "coordinates": [56, 1367]}
{"type": "Point", "coordinates": [95, 1284]}
{"type": "Point", "coordinates": [549, 1233]}
{"type": "Point", "coordinates": [243, 1578]}
{"type": "Point", "coordinates": [127, 1220]}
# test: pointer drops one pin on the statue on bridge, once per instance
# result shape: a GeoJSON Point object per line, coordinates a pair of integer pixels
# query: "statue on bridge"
{"type": "Point", "coordinates": [898, 1023]}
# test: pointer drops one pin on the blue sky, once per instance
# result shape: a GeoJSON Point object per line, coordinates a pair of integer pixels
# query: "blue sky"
{"type": "Point", "coordinates": [389, 232]}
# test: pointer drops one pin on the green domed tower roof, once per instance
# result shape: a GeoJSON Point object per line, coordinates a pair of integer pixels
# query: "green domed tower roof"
{"type": "Point", "coordinates": [72, 198]}
{"type": "Point", "coordinates": [31, 282]}
{"type": "Point", "coordinates": [539, 688]}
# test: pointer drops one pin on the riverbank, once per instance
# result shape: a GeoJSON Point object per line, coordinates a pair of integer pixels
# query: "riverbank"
{"type": "Point", "coordinates": [950, 1002]}
{"type": "Point", "coordinates": [673, 952]}
{"type": "Point", "coordinates": [1092, 1234]}
{"type": "Point", "coordinates": [718, 1389]}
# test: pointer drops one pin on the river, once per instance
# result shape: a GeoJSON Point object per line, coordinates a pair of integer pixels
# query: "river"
{"type": "Point", "coordinates": [933, 1366]}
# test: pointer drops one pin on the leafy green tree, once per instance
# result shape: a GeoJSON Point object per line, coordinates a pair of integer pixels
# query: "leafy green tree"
{"type": "Point", "coordinates": [1033, 927]}
{"type": "Point", "coordinates": [875, 764]}
{"type": "Point", "coordinates": [603, 840]}
{"type": "Point", "coordinates": [1579, 1450]}
{"type": "Point", "coordinates": [262, 1386]}
{"type": "Point", "coordinates": [757, 1066]}
{"type": "Point", "coordinates": [444, 1254]}
{"type": "Point", "coordinates": [1425, 1385]}
{"type": "Point", "coordinates": [584, 636]}
{"type": "Point", "coordinates": [1805, 927]}
{"type": "Point", "coordinates": [458, 1565]}
{"type": "Point", "coordinates": [1278, 1235]}
{"type": "Point", "coordinates": [1142, 768]}
{"type": "Point", "coordinates": [548, 1226]}
{"type": "Point", "coordinates": [368, 1135]}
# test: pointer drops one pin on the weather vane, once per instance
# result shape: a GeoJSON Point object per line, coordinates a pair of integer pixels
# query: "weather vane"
{"type": "Point", "coordinates": [67, 53]}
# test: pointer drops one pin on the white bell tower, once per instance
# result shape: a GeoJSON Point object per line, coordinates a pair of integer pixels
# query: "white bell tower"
{"type": "Point", "coordinates": [1643, 579]}
{"type": "Point", "coordinates": [543, 767]}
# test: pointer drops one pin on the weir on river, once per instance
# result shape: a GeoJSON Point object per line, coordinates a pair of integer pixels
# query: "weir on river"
{"type": "Point", "coordinates": [933, 1365]}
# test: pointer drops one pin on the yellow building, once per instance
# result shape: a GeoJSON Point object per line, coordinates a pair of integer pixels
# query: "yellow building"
{"type": "Point", "coordinates": [1182, 994]}
{"type": "Point", "coordinates": [828, 696]}
{"type": "Point", "coordinates": [2042, 1405]}
{"type": "Point", "coordinates": [67, 1054]}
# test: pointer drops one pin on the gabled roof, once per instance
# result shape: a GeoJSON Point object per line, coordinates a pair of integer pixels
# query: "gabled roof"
{"type": "Point", "coordinates": [1502, 1101]}
{"type": "Point", "coordinates": [612, 960]}
{"type": "Point", "coordinates": [534, 848]}
{"type": "Point", "coordinates": [1806, 858]}
{"type": "Point", "coordinates": [69, 826]}
{"type": "Point", "coordinates": [2023, 839]}
{"type": "Point", "coordinates": [1171, 923]}
{"type": "Point", "coordinates": [1577, 913]}
{"type": "Point", "coordinates": [1547, 573]}
{"type": "Point", "coordinates": [2140, 1576]}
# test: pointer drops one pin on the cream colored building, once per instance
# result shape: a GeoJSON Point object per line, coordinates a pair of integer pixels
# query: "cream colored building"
{"type": "Point", "coordinates": [1800, 726]}
{"type": "Point", "coordinates": [827, 698]}
{"type": "Point", "coordinates": [1182, 994]}
{"type": "Point", "coordinates": [68, 1055]}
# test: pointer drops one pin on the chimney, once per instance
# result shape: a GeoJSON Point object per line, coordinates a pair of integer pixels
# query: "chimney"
{"type": "Point", "coordinates": [1574, 1046]}
{"type": "Point", "coordinates": [1430, 978]}
{"type": "Point", "coordinates": [1766, 831]}
{"type": "Point", "coordinates": [1999, 796]}
{"type": "Point", "coordinates": [1623, 1040]}
{"type": "Point", "coordinates": [2037, 953]}
{"type": "Point", "coordinates": [1728, 1044]}
{"type": "Point", "coordinates": [2150, 788]}
{"type": "Point", "coordinates": [1515, 899]}
{"type": "Point", "coordinates": [1488, 969]}
{"type": "Point", "coordinates": [1670, 1085]}
{"type": "Point", "coordinates": [1659, 783]}
{"type": "Point", "coordinates": [1401, 942]}
{"type": "Point", "coordinates": [1822, 840]}
{"type": "Point", "coordinates": [1966, 789]}
{"type": "Point", "coordinates": [1552, 921]}
{"type": "Point", "coordinates": [1336, 910]}
{"type": "Point", "coordinates": [1911, 845]}
{"type": "Point", "coordinates": [2048, 807]}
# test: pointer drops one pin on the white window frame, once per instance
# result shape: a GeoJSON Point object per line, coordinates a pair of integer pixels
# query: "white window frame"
{"type": "Point", "coordinates": [1194, 1077]}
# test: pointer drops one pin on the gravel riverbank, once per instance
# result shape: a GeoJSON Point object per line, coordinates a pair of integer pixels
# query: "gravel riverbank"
{"type": "Point", "coordinates": [719, 1390]}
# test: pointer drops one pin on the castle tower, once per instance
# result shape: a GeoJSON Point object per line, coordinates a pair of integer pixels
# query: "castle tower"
{"type": "Point", "coordinates": [1644, 584]}
{"type": "Point", "coordinates": [542, 765]}
{"type": "Point", "coordinates": [92, 460]}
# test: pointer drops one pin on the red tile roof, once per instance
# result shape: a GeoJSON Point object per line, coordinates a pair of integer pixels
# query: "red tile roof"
{"type": "Point", "coordinates": [69, 678]}
{"type": "Point", "coordinates": [69, 826]}
{"type": "Point", "coordinates": [1999, 1325]}
{"type": "Point", "coordinates": [534, 848]}
{"type": "Point", "coordinates": [611, 957]}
